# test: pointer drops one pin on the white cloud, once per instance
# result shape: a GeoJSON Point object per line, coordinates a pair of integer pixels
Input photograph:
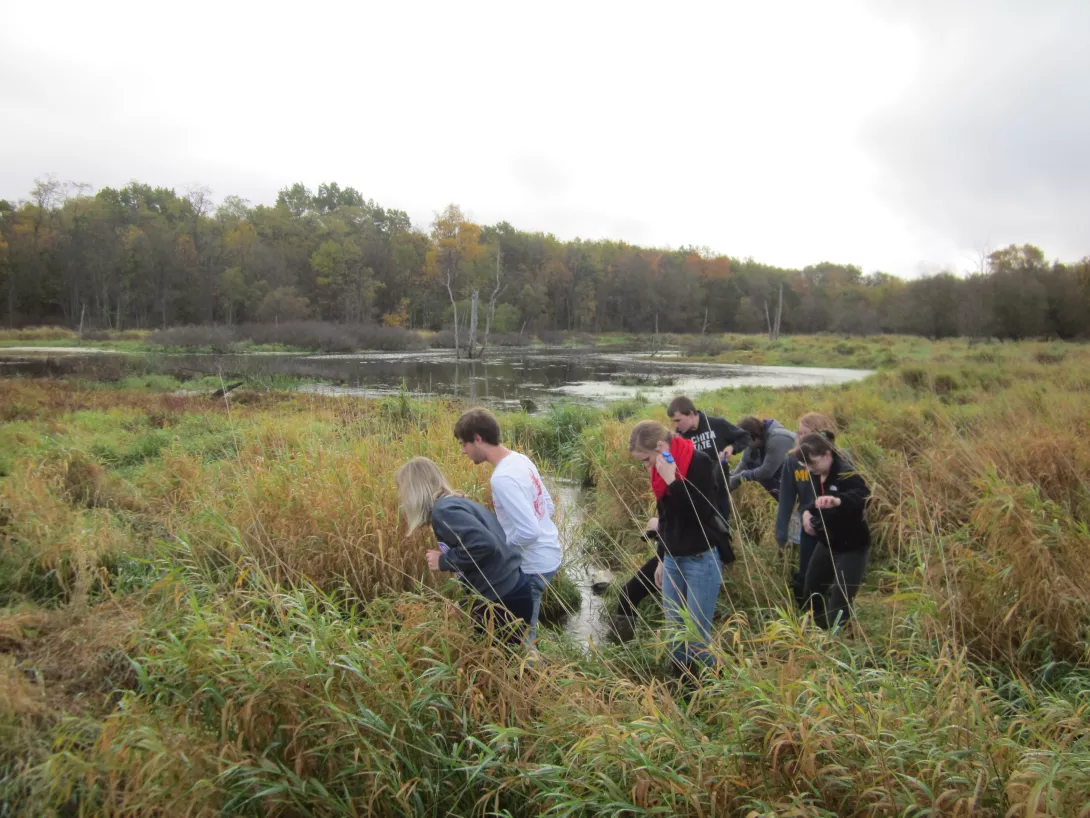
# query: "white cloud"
{"type": "Point", "coordinates": [743, 127]}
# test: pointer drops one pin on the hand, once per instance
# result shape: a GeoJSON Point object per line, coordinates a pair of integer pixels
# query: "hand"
{"type": "Point", "coordinates": [807, 524]}
{"type": "Point", "coordinates": [668, 471]}
{"type": "Point", "coordinates": [727, 453]}
{"type": "Point", "coordinates": [827, 502]}
{"type": "Point", "coordinates": [658, 576]}
{"type": "Point", "coordinates": [653, 524]}
{"type": "Point", "coordinates": [734, 482]}
{"type": "Point", "coordinates": [433, 559]}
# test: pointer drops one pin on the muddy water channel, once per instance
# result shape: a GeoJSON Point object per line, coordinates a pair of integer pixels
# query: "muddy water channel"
{"type": "Point", "coordinates": [589, 624]}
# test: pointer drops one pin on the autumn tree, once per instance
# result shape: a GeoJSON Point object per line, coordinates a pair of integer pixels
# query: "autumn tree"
{"type": "Point", "coordinates": [144, 256]}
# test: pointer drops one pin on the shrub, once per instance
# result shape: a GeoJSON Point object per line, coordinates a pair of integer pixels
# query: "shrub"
{"type": "Point", "coordinates": [37, 334]}
{"type": "Point", "coordinates": [551, 337]}
{"type": "Point", "coordinates": [313, 335]}
{"type": "Point", "coordinates": [503, 339]}
{"type": "Point", "coordinates": [391, 339]}
{"type": "Point", "coordinates": [216, 338]}
{"type": "Point", "coordinates": [444, 339]}
{"type": "Point", "coordinates": [332, 338]}
{"type": "Point", "coordinates": [705, 345]}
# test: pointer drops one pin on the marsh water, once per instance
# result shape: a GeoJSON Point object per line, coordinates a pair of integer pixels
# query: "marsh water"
{"type": "Point", "coordinates": [506, 378]}
{"type": "Point", "coordinates": [589, 624]}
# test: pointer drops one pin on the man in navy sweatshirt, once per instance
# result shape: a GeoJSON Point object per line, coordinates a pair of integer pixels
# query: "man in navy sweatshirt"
{"type": "Point", "coordinates": [720, 440]}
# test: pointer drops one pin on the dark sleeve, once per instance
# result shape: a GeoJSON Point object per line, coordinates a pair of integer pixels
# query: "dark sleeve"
{"type": "Point", "coordinates": [744, 463]}
{"type": "Point", "coordinates": [470, 541]}
{"type": "Point", "coordinates": [853, 493]}
{"type": "Point", "coordinates": [697, 492]}
{"type": "Point", "coordinates": [727, 434]}
{"type": "Point", "coordinates": [788, 494]}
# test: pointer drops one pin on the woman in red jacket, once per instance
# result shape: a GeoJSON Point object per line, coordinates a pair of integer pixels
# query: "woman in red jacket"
{"type": "Point", "coordinates": [690, 573]}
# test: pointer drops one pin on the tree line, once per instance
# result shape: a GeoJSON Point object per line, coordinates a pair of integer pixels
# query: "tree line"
{"type": "Point", "coordinates": [151, 257]}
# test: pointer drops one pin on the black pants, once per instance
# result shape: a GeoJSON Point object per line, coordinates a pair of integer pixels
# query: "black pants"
{"type": "Point", "coordinates": [637, 589]}
{"type": "Point", "coordinates": [807, 544]}
{"type": "Point", "coordinates": [508, 617]}
{"type": "Point", "coordinates": [832, 581]}
{"type": "Point", "coordinates": [726, 552]}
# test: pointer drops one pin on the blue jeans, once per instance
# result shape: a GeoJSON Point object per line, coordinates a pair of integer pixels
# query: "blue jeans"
{"type": "Point", "coordinates": [538, 584]}
{"type": "Point", "coordinates": [691, 584]}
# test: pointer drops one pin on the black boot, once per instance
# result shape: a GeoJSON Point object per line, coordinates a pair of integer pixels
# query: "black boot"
{"type": "Point", "coordinates": [622, 628]}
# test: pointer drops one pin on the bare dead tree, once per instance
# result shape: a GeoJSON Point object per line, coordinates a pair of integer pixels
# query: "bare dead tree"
{"type": "Point", "coordinates": [779, 314]}
{"type": "Point", "coordinates": [474, 298]}
{"type": "Point", "coordinates": [774, 326]}
{"type": "Point", "coordinates": [492, 299]}
{"type": "Point", "coordinates": [449, 270]}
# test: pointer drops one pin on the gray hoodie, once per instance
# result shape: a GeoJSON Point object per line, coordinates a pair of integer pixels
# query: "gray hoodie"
{"type": "Point", "coordinates": [478, 547]}
{"type": "Point", "coordinates": [764, 464]}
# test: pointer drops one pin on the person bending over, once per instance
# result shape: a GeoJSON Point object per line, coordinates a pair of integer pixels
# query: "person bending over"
{"type": "Point", "coordinates": [471, 544]}
{"type": "Point", "coordinates": [769, 443]}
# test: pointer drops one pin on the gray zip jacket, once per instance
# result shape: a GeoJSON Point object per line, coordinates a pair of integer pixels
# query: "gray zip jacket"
{"type": "Point", "coordinates": [763, 465]}
{"type": "Point", "coordinates": [478, 547]}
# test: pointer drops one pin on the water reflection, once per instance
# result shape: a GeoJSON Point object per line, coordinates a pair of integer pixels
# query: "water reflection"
{"type": "Point", "coordinates": [589, 625]}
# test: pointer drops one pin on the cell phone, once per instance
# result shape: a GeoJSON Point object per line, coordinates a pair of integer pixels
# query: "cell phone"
{"type": "Point", "coordinates": [669, 458]}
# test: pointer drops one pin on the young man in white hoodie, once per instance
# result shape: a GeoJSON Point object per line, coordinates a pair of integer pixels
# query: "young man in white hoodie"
{"type": "Point", "coordinates": [523, 504]}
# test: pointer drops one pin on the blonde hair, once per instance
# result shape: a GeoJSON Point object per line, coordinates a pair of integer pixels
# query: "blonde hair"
{"type": "Point", "coordinates": [647, 435]}
{"type": "Point", "coordinates": [818, 423]}
{"type": "Point", "coordinates": [419, 485]}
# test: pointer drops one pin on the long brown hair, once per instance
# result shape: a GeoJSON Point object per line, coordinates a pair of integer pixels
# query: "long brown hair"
{"type": "Point", "coordinates": [815, 445]}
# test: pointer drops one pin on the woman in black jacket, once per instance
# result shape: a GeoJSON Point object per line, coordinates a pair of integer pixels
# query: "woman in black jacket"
{"type": "Point", "coordinates": [837, 519]}
{"type": "Point", "coordinates": [683, 481]}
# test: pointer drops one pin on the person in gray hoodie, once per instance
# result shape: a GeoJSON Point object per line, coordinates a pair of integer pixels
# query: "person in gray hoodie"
{"type": "Point", "coordinates": [769, 443]}
{"type": "Point", "coordinates": [471, 544]}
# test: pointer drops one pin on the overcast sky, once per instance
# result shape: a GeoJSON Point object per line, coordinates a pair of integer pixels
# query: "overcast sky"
{"type": "Point", "coordinates": [898, 136]}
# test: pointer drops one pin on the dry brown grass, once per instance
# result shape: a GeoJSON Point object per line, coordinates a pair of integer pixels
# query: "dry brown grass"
{"type": "Point", "coordinates": [252, 682]}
